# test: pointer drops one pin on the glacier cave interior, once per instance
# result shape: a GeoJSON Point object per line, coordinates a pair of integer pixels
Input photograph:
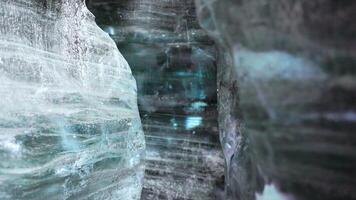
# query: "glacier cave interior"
{"type": "Point", "coordinates": [177, 100]}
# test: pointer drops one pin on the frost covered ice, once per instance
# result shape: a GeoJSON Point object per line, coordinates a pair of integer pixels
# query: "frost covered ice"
{"type": "Point", "coordinates": [69, 123]}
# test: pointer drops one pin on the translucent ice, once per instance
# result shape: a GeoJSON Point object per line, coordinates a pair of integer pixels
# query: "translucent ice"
{"type": "Point", "coordinates": [69, 123]}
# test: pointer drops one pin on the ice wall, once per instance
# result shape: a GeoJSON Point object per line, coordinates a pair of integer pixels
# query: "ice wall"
{"type": "Point", "coordinates": [69, 122]}
{"type": "Point", "coordinates": [286, 94]}
{"type": "Point", "coordinates": [174, 63]}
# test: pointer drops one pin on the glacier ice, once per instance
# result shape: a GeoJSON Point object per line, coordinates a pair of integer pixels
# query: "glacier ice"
{"type": "Point", "coordinates": [69, 122]}
{"type": "Point", "coordinates": [286, 82]}
{"type": "Point", "coordinates": [173, 60]}
{"type": "Point", "coordinates": [271, 192]}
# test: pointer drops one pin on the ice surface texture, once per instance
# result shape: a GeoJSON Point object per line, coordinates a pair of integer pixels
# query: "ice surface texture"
{"type": "Point", "coordinates": [286, 96]}
{"type": "Point", "coordinates": [69, 123]}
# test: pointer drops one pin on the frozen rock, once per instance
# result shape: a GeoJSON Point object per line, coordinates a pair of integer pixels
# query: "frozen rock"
{"type": "Point", "coordinates": [69, 123]}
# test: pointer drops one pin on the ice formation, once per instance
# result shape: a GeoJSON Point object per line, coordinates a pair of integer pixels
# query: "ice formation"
{"type": "Point", "coordinates": [69, 123]}
{"type": "Point", "coordinates": [286, 82]}
{"type": "Point", "coordinates": [271, 192]}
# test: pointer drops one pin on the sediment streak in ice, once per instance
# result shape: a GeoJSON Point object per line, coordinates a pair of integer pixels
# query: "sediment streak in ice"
{"type": "Point", "coordinates": [69, 124]}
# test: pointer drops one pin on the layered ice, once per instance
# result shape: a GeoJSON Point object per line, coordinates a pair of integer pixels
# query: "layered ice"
{"type": "Point", "coordinates": [69, 123]}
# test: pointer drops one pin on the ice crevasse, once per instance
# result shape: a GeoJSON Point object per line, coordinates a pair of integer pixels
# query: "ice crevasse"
{"type": "Point", "coordinates": [69, 122]}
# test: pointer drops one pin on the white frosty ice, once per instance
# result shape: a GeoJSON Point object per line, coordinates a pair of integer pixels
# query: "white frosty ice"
{"type": "Point", "coordinates": [69, 123]}
{"type": "Point", "coordinates": [270, 192]}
